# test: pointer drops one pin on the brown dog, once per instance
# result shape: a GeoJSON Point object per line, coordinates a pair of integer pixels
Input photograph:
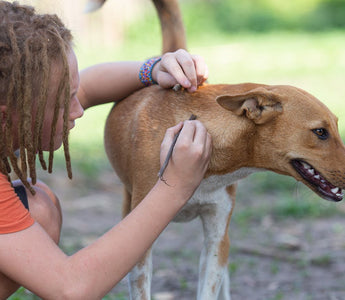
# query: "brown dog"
{"type": "Point", "coordinates": [254, 127]}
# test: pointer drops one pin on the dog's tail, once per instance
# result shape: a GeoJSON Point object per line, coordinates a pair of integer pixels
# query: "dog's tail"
{"type": "Point", "coordinates": [173, 32]}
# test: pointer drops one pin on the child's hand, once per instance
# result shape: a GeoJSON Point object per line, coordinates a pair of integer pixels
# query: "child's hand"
{"type": "Point", "coordinates": [190, 157]}
{"type": "Point", "coordinates": [188, 70]}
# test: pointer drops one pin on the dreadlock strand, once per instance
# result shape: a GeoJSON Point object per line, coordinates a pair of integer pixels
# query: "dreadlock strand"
{"type": "Point", "coordinates": [65, 123]}
{"type": "Point", "coordinates": [60, 96]}
{"type": "Point", "coordinates": [38, 68]}
{"type": "Point", "coordinates": [8, 138]}
{"type": "Point", "coordinates": [20, 75]}
{"type": "Point", "coordinates": [27, 112]}
{"type": "Point", "coordinates": [53, 128]}
{"type": "Point", "coordinates": [4, 165]}
{"type": "Point", "coordinates": [42, 101]}
{"type": "Point", "coordinates": [42, 160]}
{"type": "Point", "coordinates": [13, 93]}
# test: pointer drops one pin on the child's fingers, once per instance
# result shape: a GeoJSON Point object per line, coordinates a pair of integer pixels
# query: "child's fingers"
{"type": "Point", "coordinates": [188, 67]}
{"type": "Point", "coordinates": [202, 143]}
{"type": "Point", "coordinates": [209, 144]}
{"type": "Point", "coordinates": [170, 134]}
{"type": "Point", "coordinates": [208, 152]}
{"type": "Point", "coordinates": [189, 71]}
{"type": "Point", "coordinates": [195, 139]}
{"type": "Point", "coordinates": [187, 133]}
{"type": "Point", "coordinates": [168, 140]}
{"type": "Point", "coordinates": [200, 135]}
{"type": "Point", "coordinates": [172, 66]}
{"type": "Point", "coordinates": [201, 69]}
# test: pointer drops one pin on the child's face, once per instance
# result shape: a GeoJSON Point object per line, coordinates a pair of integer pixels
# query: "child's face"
{"type": "Point", "coordinates": [75, 109]}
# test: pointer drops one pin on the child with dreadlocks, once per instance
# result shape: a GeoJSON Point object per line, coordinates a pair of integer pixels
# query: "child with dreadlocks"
{"type": "Point", "coordinates": [40, 99]}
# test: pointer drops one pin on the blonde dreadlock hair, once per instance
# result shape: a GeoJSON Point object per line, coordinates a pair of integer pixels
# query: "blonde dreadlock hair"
{"type": "Point", "coordinates": [29, 44]}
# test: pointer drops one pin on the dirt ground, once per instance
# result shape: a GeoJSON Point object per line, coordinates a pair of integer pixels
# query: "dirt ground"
{"type": "Point", "coordinates": [269, 259]}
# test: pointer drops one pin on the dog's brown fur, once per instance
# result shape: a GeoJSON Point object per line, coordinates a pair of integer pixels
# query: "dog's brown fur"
{"type": "Point", "coordinates": [253, 126]}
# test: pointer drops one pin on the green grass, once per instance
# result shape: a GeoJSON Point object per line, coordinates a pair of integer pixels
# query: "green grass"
{"type": "Point", "coordinates": [23, 294]}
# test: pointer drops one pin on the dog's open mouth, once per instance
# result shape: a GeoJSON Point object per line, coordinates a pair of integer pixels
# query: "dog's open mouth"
{"type": "Point", "coordinates": [319, 184]}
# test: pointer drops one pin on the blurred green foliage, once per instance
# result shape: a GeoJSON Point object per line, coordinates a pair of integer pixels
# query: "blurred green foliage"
{"type": "Point", "coordinates": [264, 15]}
{"type": "Point", "coordinates": [329, 14]}
{"type": "Point", "coordinates": [228, 16]}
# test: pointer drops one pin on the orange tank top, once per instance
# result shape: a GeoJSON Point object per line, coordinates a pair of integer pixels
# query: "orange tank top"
{"type": "Point", "coordinates": [13, 215]}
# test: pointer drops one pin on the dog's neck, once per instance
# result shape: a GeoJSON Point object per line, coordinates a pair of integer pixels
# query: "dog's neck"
{"type": "Point", "coordinates": [235, 144]}
{"type": "Point", "coordinates": [237, 141]}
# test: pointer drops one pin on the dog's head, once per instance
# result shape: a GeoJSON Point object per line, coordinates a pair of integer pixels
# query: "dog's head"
{"type": "Point", "coordinates": [295, 135]}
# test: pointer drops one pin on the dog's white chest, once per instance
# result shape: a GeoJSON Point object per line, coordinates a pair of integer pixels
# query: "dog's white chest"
{"type": "Point", "coordinates": [212, 192]}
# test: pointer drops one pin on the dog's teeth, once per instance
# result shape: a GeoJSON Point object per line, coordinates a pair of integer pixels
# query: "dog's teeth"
{"type": "Point", "coordinates": [317, 177]}
{"type": "Point", "coordinates": [305, 165]}
{"type": "Point", "coordinates": [335, 190]}
{"type": "Point", "coordinates": [311, 171]}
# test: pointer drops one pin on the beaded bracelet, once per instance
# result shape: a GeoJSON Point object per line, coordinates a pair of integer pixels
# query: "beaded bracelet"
{"type": "Point", "coordinates": [145, 73]}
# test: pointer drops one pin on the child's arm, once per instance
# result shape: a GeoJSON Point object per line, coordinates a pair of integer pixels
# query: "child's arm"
{"type": "Point", "coordinates": [109, 82]}
{"type": "Point", "coordinates": [33, 260]}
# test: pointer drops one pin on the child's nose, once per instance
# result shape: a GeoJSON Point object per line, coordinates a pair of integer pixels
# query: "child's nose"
{"type": "Point", "coordinates": [76, 110]}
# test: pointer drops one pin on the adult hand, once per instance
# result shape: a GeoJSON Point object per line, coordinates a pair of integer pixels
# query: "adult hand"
{"type": "Point", "coordinates": [188, 70]}
{"type": "Point", "coordinates": [190, 157]}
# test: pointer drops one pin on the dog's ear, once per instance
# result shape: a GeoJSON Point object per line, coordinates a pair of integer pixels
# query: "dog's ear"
{"type": "Point", "coordinates": [259, 105]}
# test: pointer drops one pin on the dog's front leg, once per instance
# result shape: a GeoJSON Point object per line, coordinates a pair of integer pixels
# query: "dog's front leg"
{"type": "Point", "coordinates": [214, 281]}
{"type": "Point", "coordinates": [139, 279]}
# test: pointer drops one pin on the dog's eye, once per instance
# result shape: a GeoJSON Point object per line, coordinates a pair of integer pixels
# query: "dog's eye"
{"type": "Point", "coordinates": [321, 133]}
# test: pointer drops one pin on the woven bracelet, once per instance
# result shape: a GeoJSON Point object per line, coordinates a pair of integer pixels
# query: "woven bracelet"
{"type": "Point", "coordinates": [145, 73]}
